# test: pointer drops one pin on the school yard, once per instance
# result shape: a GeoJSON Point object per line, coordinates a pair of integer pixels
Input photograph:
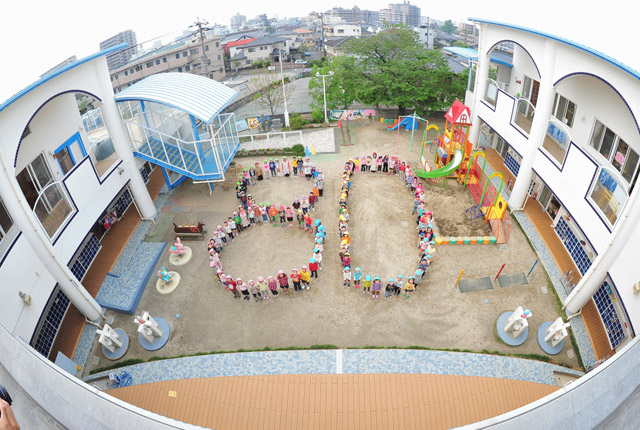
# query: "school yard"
{"type": "Point", "coordinates": [384, 240]}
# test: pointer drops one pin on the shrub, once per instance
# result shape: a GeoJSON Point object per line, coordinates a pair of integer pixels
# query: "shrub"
{"type": "Point", "coordinates": [317, 115]}
{"type": "Point", "coordinates": [129, 362]}
{"type": "Point", "coordinates": [298, 149]}
{"type": "Point", "coordinates": [296, 122]}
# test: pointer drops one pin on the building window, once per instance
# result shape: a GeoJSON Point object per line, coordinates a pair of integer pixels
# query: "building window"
{"type": "Point", "coordinates": [116, 76]}
{"type": "Point", "coordinates": [164, 59]}
{"type": "Point", "coordinates": [185, 53]}
{"type": "Point", "coordinates": [131, 70]}
{"type": "Point", "coordinates": [70, 153]}
{"type": "Point", "coordinates": [46, 197]}
{"type": "Point", "coordinates": [5, 221]}
{"type": "Point", "coordinates": [194, 51]}
{"type": "Point", "coordinates": [157, 61]}
{"type": "Point", "coordinates": [564, 110]}
{"type": "Point", "coordinates": [178, 56]}
{"type": "Point", "coordinates": [126, 73]}
{"type": "Point", "coordinates": [609, 195]}
{"type": "Point", "coordinates": [206, 47]}
{"type": "Point", "coordinates": [138, 67]}
{"type": "Point", "coordinates": [219, 57]}
{"type": "Point", "coordinates": [84, 257]}
{"type": "Point", "coordinates": [252, 49]}
{"type": "Point", "coordinates": [149, 64]}
{"type": "Point", "coordinates": [50, 322]}
{"type": "Point", "coordinates": [187, 68]}
{"type": "Point", "coordinates": [180, 69]}
{"type": "Point", "coordinates": [608, 313]}
{"type": "Point", "coordinates": [217, 44]}
{"type": "Point", "coordinates": [615, 150]}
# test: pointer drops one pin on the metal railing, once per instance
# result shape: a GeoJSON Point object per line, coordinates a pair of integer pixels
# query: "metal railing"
{"type": "Point", "coordinates": [192, 155]}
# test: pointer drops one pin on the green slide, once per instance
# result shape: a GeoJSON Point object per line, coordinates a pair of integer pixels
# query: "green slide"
{"type": "Point", "coordinates": [444, 171]}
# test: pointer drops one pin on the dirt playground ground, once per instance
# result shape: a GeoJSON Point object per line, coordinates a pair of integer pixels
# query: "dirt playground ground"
{"type": "Point", "coordinates": [384, 243]}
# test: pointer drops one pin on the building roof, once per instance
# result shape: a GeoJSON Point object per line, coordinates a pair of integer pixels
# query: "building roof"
{"type": "Point", "coordinates": [458, 113]}
{"type": "Point", "coordinates": [593, 42]}
{"type": "Point", "coordinates": [198, 96]}
{"type": "Point", "coordinates": [60, 71]}
{"type": "Point", "coordinates": [237, 43]}
{"type": "Point", "coordinates": [336, 42]}
{"type": "Point", "coordinates": [266, 40]}
{"type": "Point", "coordinates": [471, 54]}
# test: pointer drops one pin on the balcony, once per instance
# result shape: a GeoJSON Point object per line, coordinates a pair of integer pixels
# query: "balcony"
{"type": "Point", "coordinates": [53, 208]}
{"type": "Point", "coordinates": [491, 92]}
{"type": "Point", "coordinates": [556, 139]}
{"type": "Point", "coordinates": [523, 115]}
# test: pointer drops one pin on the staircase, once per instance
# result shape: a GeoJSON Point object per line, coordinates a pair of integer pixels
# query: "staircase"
{"type": "Point", "coordinates": [200, 160]}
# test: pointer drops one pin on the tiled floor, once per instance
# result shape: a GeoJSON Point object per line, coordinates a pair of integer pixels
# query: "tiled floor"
{"type": "Point", "coordinates": [356, 401]}
{"type": "Point", "coordinates": [73, 324]}
{"type": "Point", "coordinates": [596, 330]}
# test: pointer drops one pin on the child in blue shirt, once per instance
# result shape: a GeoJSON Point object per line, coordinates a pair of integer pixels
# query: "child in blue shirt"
{"type": "Point", "coordinates": [357, 275]}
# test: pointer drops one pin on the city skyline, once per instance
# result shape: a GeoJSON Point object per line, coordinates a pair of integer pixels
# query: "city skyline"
{"type": "Point", "coordinates": [74, 29]}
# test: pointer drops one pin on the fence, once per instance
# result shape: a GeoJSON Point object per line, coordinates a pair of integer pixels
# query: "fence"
{"type": "Point", "coordinates": [280, 139]}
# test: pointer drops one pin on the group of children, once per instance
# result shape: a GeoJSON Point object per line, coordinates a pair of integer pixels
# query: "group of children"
{"type": "Point", "coordinates": [275, 168]}
{"type": "Point", "coordinates": [425, 221]}
{"type": "Point", "coordinates": [263, 289]}
{"type": "Point", "coordinates": [250, 213]}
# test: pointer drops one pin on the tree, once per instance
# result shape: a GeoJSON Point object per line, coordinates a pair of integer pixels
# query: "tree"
{"type": "Point", "coordinates": [448, 27]}
{"type": "Point", "coordinates": [267, 90]}
{"type": "Point", "coordinates": [338, 84]}
{"type": "Point", "coordinates": [392, 68]}
{"type": "Point", "coordinates": [460, 44]}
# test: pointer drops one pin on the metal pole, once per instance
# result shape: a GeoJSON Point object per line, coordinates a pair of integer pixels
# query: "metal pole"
{"type": "Point", "coordinates": [500, 271]}
{"type": "Point", "coordinates": [458, 280]}
{"type": "Point", "coordinates": [532, 267]}
{"type": "Point", "coordinates": [324, 92]}
{"type": "Point", "coordinates": [284, 95]}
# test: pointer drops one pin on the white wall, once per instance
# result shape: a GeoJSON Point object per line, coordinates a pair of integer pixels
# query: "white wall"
{"type": "Point", "coordinates": [23, 271]}
{"type": "Point", "coordinates": [55, 123]}
{"type": "Point", "coordinates": [594, 99]}
{"type": "Point", "coordinates": [625, 273]}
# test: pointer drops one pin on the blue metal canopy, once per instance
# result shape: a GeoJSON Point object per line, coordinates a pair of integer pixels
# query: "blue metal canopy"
{"type": "Point", "coordinates": [472, 55]}
{"type": "Point", "coordinates": [196, 95]}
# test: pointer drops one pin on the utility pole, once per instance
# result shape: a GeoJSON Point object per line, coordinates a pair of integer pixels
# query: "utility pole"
{"type": "Point", "coordinates": [322, 50]}
{"type": "Point", "coordinates": [205, 59]}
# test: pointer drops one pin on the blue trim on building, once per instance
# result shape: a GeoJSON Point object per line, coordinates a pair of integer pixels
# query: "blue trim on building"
{"type": "Point", "coordinates": [633, 332]}
{"type": "Point", "coordinates": [606, 82]}
{"type": "Point", "coordinates": [571, 215]}
{"type": "Point", "coordinates": [58, 72]}
{"type": "Point", "coordinates": [525, 50]}
{"type": "Point", "coordinates": [15, 240]}
{"type": "Point", "coordinates": [568, 42]}
{"type": "Point", "coordinates": [15, 160]}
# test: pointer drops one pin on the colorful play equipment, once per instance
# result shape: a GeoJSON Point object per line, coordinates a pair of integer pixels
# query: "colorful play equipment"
{"type": "Point", "coordinates": [408, 122]}
{"type": "Point", "coordinates": [163, 275]}
{"type": "Point", "coordinates": [453, 140]}
{"type": "Point", "coordinates": [489, 199]}
{"type": "Point", "coordinates": [455, 136]}
{"type": "Point", "coordinates": [177, 248]}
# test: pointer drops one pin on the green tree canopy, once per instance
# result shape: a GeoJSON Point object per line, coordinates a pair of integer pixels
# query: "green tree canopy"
{"type": "Point", "coordinates": [448, 27]}
{"type": "Point", "coordinates": [390, 68]}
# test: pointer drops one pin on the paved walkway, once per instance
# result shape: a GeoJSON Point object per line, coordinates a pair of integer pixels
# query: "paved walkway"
{"type": "Point", "coordinates": [348, 361]}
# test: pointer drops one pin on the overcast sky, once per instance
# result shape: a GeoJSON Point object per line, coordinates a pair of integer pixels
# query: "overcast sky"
{"type": "Point", "coordinates": [36, 35]}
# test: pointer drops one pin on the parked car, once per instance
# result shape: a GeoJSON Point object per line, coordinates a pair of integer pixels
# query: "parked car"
{"type": "Point", "coordinates": [300, 62]}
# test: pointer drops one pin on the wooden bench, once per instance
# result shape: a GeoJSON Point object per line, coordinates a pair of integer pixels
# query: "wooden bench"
{"type": "Point", "coordinates": [188, 231]}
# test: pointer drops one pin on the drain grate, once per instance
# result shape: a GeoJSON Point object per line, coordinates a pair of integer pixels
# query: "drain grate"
{"type": "Point", "coordinates": [512, 280]}
{"type": "Point", "coordinates": [477, 284]}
